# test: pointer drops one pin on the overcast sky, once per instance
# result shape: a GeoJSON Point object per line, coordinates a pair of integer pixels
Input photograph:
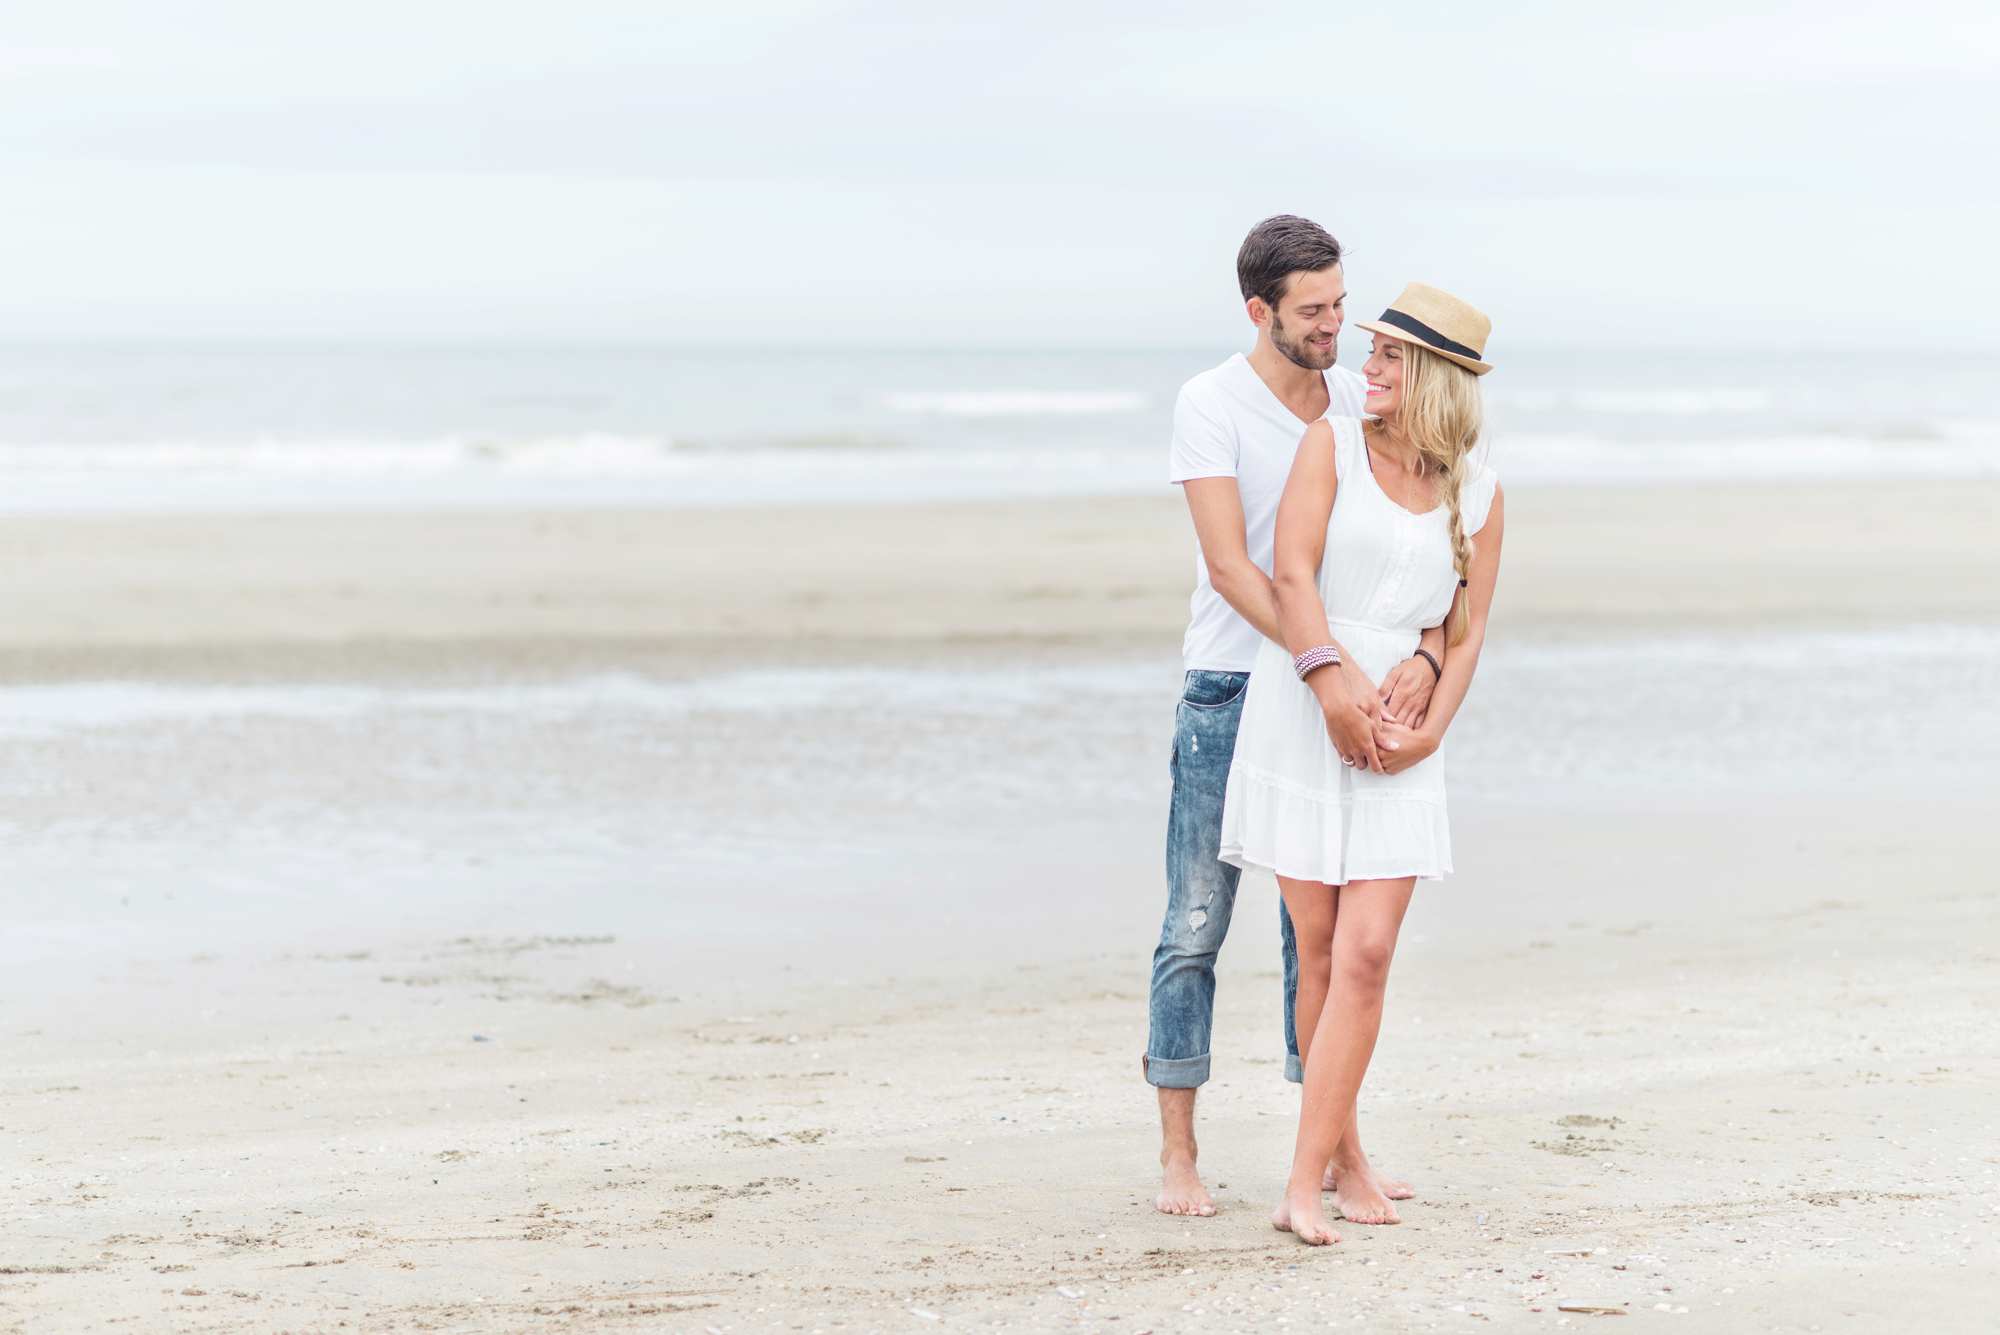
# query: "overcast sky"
{"type": "Point", "coordinates": [813, 173]}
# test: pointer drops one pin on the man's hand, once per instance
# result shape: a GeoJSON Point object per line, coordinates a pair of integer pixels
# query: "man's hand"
{"type": "Point", "coordinates": [1406, 692]}
{"type": "Point", "coordinates": [1401, 747]}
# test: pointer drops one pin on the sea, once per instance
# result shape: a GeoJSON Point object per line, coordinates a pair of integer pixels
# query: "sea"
{"type": "Point", "coordinates": [116, 426]}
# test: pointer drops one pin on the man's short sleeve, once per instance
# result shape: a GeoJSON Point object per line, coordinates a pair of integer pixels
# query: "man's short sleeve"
{"type": "Point", "coordinates": [1204, 443]}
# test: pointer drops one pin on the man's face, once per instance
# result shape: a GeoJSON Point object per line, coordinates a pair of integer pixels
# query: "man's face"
{"type": "Point", "coordinates": [1305, 326]}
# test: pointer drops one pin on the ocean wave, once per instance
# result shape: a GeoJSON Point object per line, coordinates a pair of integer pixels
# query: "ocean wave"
{"type": "Point", "coordinates": [582, 455]}
{"type": "Point", "coordinates": [1824, 456]}
{"type": "Point", "coordinates": [829, 441]}
{"type": "Point", "coordinates": [1974, 429]}
{"type": "Point", "coordinates": [1015, 402]}
{"type": "Point", "coordinates": [1675, 402]}
{"type": "Point", "coordinates": [655, 471]}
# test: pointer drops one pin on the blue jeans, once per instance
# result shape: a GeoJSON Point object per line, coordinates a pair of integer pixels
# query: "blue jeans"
{"type": "Point", "coordinates": [1201, 890]}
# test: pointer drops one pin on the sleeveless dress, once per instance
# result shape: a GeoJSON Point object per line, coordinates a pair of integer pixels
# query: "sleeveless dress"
{"type": "Point", "coordinates": [1291, 806]}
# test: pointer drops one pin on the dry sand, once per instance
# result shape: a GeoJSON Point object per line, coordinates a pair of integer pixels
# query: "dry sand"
{"type": "Point", "coordinates": [1722, 1064]}
{"type": "Point", "coordinates": [1776, 1118]}
{"type": "Point", "coordinates": [357, 592]}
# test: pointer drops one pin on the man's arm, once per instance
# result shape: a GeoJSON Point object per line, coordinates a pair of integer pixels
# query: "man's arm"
{"type": "Point", "coordinates": [1217, 508]}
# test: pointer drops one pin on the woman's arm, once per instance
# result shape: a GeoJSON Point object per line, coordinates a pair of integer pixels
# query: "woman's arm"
{"type": "Point", "coordinates": [1406, 691]}
{"type": "Point", "coordinates": [1346, 697]}
{"type": "Point", "coordinates": [1403, 747]}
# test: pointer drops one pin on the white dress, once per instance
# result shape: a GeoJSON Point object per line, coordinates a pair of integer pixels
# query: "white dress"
{"type": "Point", "coordinates": [1292, 807]}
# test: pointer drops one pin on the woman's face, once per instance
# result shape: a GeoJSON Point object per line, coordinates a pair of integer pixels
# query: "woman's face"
{"type": "Point", "coordinates": [1384, 372]}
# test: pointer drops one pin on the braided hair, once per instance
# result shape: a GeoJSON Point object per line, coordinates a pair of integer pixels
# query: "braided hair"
{"type": "Point", "coordinates": [1441, 418]}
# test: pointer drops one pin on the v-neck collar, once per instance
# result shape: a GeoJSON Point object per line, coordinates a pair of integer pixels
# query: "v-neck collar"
{"type": "Point", "coordinates": [1282, 406]}
{"type": "Point", "coordinates": [1368, 457]}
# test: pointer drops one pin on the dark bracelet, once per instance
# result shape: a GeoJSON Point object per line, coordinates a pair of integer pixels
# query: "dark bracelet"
{"type": "Point", "coordinates": [1437, 672]}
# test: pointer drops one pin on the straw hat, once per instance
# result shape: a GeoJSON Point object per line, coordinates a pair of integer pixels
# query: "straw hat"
{"type": "Point", "coordinates": [1437, 320]}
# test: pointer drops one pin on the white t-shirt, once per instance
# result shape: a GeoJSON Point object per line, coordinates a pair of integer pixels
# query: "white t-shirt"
{"type": "Point", "coordinates": [1228, 423]}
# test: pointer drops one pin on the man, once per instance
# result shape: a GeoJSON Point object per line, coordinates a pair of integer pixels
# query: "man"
{"type": "Point", "coordinates": [1236, 428]}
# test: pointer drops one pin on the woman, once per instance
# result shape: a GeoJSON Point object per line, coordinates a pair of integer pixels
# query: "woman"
{"type": "Point", "coordinates": [1385, 527]}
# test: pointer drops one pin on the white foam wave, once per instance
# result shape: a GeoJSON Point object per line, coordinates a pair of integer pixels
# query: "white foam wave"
{"type": "Point", "coordinates": [1015, 402]}
{"type": "Point", "coordinates": [588, 456]}
{"type": "Point", "coordinates": [593, 455]}
{"type": "Point", "coordinates": [621, 470]}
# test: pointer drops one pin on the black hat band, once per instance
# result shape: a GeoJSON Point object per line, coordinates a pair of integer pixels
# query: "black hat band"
{"type": "Point", "coordinates": [1429, 335]}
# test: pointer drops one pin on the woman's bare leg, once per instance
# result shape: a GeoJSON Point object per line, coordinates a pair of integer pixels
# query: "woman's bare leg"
{"type": "Point", "coordinates": [1349, 1152]}
{"type": "Point", "coordinates": [1314, 909]}
{"type": "Point", "coordinates": [1322, 902]}
{"type": "Point", "coordinates": [1306, 1010]}
{"type": "Point", "coordinates": [1370, 914]}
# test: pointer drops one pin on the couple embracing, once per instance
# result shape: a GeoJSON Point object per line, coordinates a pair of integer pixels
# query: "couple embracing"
{"type": "Point", "coordinates": [1348, 550]}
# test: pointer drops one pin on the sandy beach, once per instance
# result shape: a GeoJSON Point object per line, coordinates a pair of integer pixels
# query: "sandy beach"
{"type": "Point", "coordinates": [739, 920]}
{"type": "Point", "coordinates": [360, 591]}
{"type": "Point", "coordinates": [592, 617]}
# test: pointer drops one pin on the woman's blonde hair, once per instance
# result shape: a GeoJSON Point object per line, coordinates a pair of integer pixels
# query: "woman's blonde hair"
{"type": "Point", "coordinates": [1441, 418]}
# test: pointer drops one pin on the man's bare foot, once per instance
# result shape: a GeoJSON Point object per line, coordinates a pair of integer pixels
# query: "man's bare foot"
{"type": "Point", "coordinates": [1302, 1219]}
{"type": "Point", "coordinates": [1359, 1200]}
{"type": "Point", "coordinates": [1181, 1191]}
{"type": "Point", "coordinates": [1394, 1189]}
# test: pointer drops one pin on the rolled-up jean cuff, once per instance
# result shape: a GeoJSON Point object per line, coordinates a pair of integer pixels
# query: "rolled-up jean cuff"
{"type": "Point", "coordinates": [1293, 1071]}
{"type": "Point", "coordinates": [1177, 1072]}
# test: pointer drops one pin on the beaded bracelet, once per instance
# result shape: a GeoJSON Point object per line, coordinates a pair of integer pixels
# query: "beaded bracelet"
{"type": "Point", "coordinates": [1320, 656]}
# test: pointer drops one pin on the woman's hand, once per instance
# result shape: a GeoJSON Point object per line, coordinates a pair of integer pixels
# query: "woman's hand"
{"type": "Point", "coordinates": [1406, 691]}
{"type": "Point", "coordinates": [1361, 692]}
{"type": "Point", "coordinates": [1401, 747]}
{"type": "Point", "coordinates": [1352, 708]}
{"type": "Point", "coordinates": [1352, 732]}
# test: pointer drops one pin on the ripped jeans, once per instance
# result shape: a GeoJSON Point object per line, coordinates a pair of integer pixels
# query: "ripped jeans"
{"type": "Point", "coordinates": [1201, 890]}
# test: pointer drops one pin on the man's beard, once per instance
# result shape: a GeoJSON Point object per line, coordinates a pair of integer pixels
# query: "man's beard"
{"type": "Point", "coordinates": [1298, 352]}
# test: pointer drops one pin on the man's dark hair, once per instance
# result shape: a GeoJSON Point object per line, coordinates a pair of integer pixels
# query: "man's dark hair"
{"type": "Point", "coordinates": [1276, 249]}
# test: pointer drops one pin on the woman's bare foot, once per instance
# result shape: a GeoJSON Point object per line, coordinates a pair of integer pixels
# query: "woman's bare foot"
{"type": "Point", "coordinates": [1181, 1191]}
{"type": "Point", "coordinates": [1393, 1188]}
{"type": "Point", "coordinates": [1302, 1219]}
{"type": "Point", "coordinates": [1359, 1200]}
